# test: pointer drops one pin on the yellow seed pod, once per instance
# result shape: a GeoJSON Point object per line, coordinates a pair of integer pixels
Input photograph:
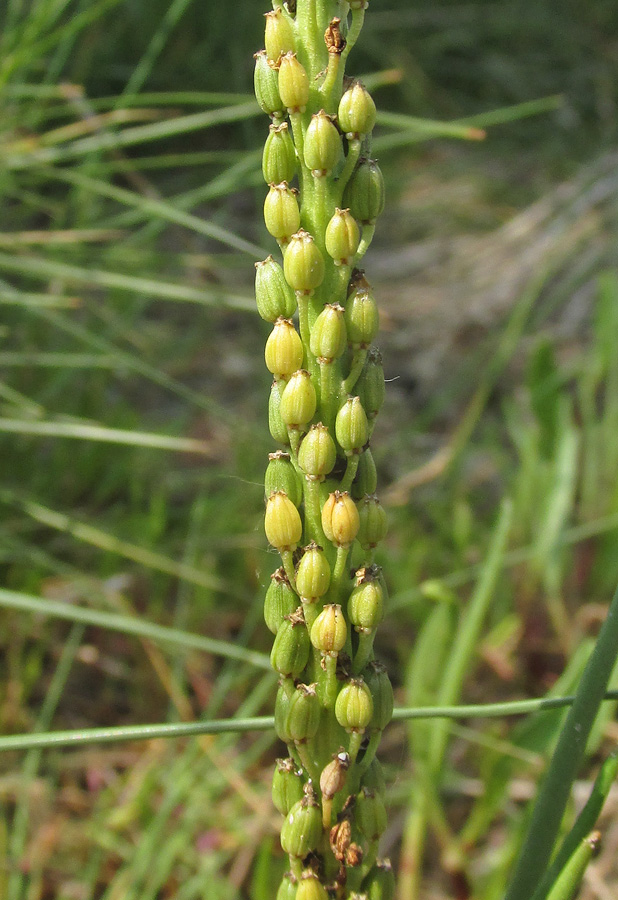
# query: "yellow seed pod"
{"type": "Point", "coordinates": [293, 83]}
{"type": "Point", "coordinates": [284, 349]}
{"type": "Point", "coordinates": [340, 519]}
{"type": "Point", "coordinates": [282, 522]}
{"type": "Point", "coordinates": [279, 36]}
{"type": "Point", "coordinates": [329, 630]}
{"type": "Point", "coordinates": [342, 237]}
{"type": "Point", "coordinates": [281, 212]}
{"type": "Point", "coordinates": [310, 888]}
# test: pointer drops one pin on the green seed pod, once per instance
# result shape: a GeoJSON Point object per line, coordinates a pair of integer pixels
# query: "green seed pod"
{"type": "Point", "coordinates": [364, 192]}
{"type": "Point", "coordinates": [276, 425]}
{"type": "Point", "coordinates": [366, 479]}
{"type": "Point", "coordinates": [304, 714]}
{"type": "Point", "coordinates": [329, 630]}
{"type": "Point", "coordinates": [317, 453]}
{"type": "Point", "coordinates": [361, 318]}
{"type": "Point", "coordinates": [302, 829]}
{"type": "Point", "coordinates": [293, 83]}
{"type": "Point", "coordinates": [282, 522]}
{"type": "Point", "coordinates": [281, 476]}
{"type": "Point", "coordinates": [287, 888]}
{"type": "Point", "coordinates": [379, 684]}
{"type": "Point", "coordinates": [303, 264]}
{"type": "Point", "coordinates": [323, 147]}
{"type": "Point", "coordinates": [354, 705]}
{"type": "Point", "coordinates": [266, 84]}
{"type": "Point", "coordinates": [379, 884]}
{"type": "Point", "coordinates": [310, 888]}
{"type": "Point", "coordinates": [273, 295]}
{"type": "Point", "coordinates": [328, 339]}
{"type": "Point", "coordinates": [313, 573]}
{"type": "Point", "coordinates": [374, 777]}
{"type": "Point", "coordinates": [370, 814]}
{"type": "Point", "coordinates": [279, 156]}
{"type": "Point", "coordinates": [282, 706]}
{"type": "Point", "coordinates": [333, 776]}
{"type": "Point", "coordinates": [340, 519]}
{"type": "Point", "coordinates": [366, 602]}
{"type": "Point", "coordinates": [298, 400]}
{"type": "Point", "coordinates": [373, 525]}
{"type": "Point", "coordinates": [291, 648]}
{"type": "Point", "coordinates": [280, 600]}
{"type": "Point", "coordinates": [284, 349]}
{"type": "Point", "coordinates": [352, 427]}
{"type": "Point", "coordinates": [342, 237]}
{"type": "Point", "coordinates": [371, 386]}
{"type": "Point", "coordinates": [357, 111]}
{"type": "Point", "coordinates": [281, 212]}
{"type": "Point", "coordinates": [287, 787]}
{"type": "Point", "coordinates": [279, 36]}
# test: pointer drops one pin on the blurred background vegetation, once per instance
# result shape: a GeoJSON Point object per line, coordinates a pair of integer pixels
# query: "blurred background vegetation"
{"type": "Point", "coordinates": [133, 417]}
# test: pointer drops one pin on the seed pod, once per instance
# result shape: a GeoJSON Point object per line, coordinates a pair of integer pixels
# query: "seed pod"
{"type": "Point", "coordinates": [281, 212]}
{"type": "Point", "coordinates": [342, 237]}
{"type": "Point", "coordinates": [374, 777]}
{"type": "Point", "coordinates": [298, 400]}
{"type": "Point", "coordinates": [293, 84]}
{"type": "Point", "coordinates": [310, 888]}
{"type": "Point", "coordinates": [317, 453]}
{"type": "Point", "coordinates": [352, 427]}
{"type": "Point", "coordinates": [379, 884]}
{"type": "Point", "coordinates": [329, 630]}
{"type": "Point", "coordinates": [266, 84]}
{"type": "Point", "coordinates": [361, 318]}
{"type": "Point", "coordinates": [282, 522]}
{"type": "Point", "coordinates": [284, 349]}
{"type": "Point", "coordinates": [291, 648]}
{"type": "Point", "coordinates": [381, 689]}
{"type": "Point", "coordinates": [366, 480]}
{"type": "Point", "coordinates": [340, 519]}
{"type": "Point", "coordinates": [276, 425]}
{"type": "Point", "coordinates": [303, 714]}
{"type": "Point", "coordinates": [354, 705]}
{"type": "Point", "coordinates": [281, 476]}
{"type": "Point", "coordinates": [279, 156]}
{"type": "Point", "coordinates": [303, 264]}
{"type": "Point", "coordinates": [357, 111]}
{"type": "Point", "coordinates": [370, 385]}
{"type": "Point", "coordinates": [323, 147]}
{"type": "Point", "coordinates": [328, 337]}
{"type": "Point", "coordinates": [333, 776]}
{"type": "Point", "coordinates": [279, 35]}
{"type": "Point", "coordinates": [287, 787]}
{"type": "Point", "coordinates": [282, 706]}
{"type": "Point", "coordinates": [364, 192]}
{"type": "Point", "coordinates": [287, 888]}
{"type": "Point", "coordinates": [373, 525]}
{"type": "Point", "coordinates": [370, 814]}
{"type": "Point", "coordinates": [280, 600]}
{"type": "Point", "coordinates": [302, 829]}
{"type": "Point", "coordinates": [366, 603]}
{"type": "Point", "coordinates": [273, 295]}
{"type": "Point", "coordinates": [313, 573]}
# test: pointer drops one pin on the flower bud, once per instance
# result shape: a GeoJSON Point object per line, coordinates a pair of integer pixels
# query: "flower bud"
{"type": "Point", "coordinates": [310, 888]}
{"type": "Point", "coordinates": [322, 145]}
{"type": "Point", "coordinates": [287, 786]}
{"type": "Point", "coordinates": [373, 526]}
{"type": "Point", "coordinates": [276, 425]}
{"type": "Point", "coordinates": [329, 630]}
{"type": "Point", "coordinates": [279, 156]}
{"type": "Point", "coordinates": [342, 237]}
{"type": "Point", "coordinates": [282, 522]}
{"type": "Point", "coordinates": [333, 776]}
{"type": "Point", "coordinates": [287, 888]}
{"type": "Point", "coordinates": [293, 83]}
{"type": "Point", "coordinates": [279, 36]}
{"type": "Point", "coordinates": [366, 602]}
{"type": "Point", "coordinates": [273, 295]}
{"type": "Point", "coordinates": [281, 476]}
{"type": "Point", "coordinates": [366, 479]}
{"type": "Point", "coordinates": [281, 212]}
{"type": "Point", "coordinates": [303, 263]}
{"type": "Point", "coordinates": [298, 400]}
{"type": "Point", "coordinates": [379, 684]}
{"type": "Point", "coordinates": [357, 111]}
{"type": "Point", "coordinates": [328, 339]}
{"type": "Point", "coordinates": [284, 349]}
{"type": "Point", "coordinates": [313, 573]}
{"type": "Point", "coordinates": [291, 647]}
{"type": "Point", "coordinates": [303, 714]}
{"type": "Point", "coordinates": [364, 192]}
{"type": "Point", "coordinates": [361, 318]}
{"type": "Point", "coordinates": [317, 453]}
{"type": "Point", "coordinates": [340, 519]}
{"type": "Point", "coordinates": [280, 600]}
{"type": "Point", "coordinates": [352, 427]}
{"type": "Point", "coordinates": [354, 705]}
{"type": "Point", "coordinates": [379, 884]}
{"type": "Point", "coordinates": [370, 814]}
{"type": "Point", "coordinates": [302, 829]}
{"type": "Point", "coordinates": [370, 386]}
{"type": "Point", "coordinates": [266, 84]}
